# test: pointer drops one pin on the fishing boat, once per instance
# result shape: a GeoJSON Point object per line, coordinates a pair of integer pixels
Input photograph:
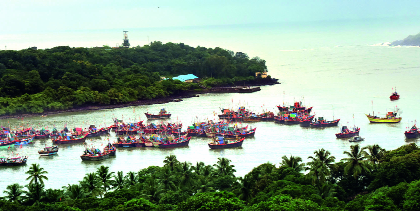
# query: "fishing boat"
{"type": "Point", "coordinates": [240, 133]}
{"type": "Point", "coordinates": [94, 155]}
{"type": "Point", "coordinates": [219, 142]}
{"type": "Point", "coordinates": [412, 133]}
{"type": "Point", "coordinates": [297, 107]}
{"type": "Point", "coordinates": [127, 142]}
{"type": "Point", "coordinates": [347, 133]}
{"type": "Point", "coordinates": [394, 95]}
{"type": "Point", "coordinates": [324, 123]}
{"type": "Point", "coordinates": [70, 139]}
{"type": "Point", "coordinates": [6, 144]}
{"type": "Point", "coordinates": [47, 151]}
{"type": "Point", "coordinates": [391, 117]}
{"type": "Point", "coordinates": [182, 141]}
{"type": "Point", "coordinates": [162, 115]}
{"type": "Point", "coordinates": [94, 132]}
{"type": "Point", "coordinates": [356, 139]}
{"type": "Point", "coordinates": [15, 161]}
{"type": "Point", "coordinates": [110, 149]}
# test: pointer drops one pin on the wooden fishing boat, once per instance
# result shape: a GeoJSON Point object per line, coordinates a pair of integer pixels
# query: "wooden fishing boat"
{"type": "Point", "coordinates": [347, 133]}
{"type": "Point", "coordinates": [412, 133]}
{"type": "Point", "coordinates": [110, 149]}
{"type": "Point", "coordinates": [24, 141]}
{"type": "Point", "coordinates": [5, 144]}
{"type": "Point", "coordinates": [356, 139]}
{"type": "Point", "coordinates": [305, 123]}
{"type": "Point", "coordinates": [128, 131]}
{"type": "Point", "coordinates": [279, 119]}
{"type": "Point", "coordinates": [394, 95]}
{"type": "Point", "coordinates": [244, 133]}
{"type": "Point", "coordinates": [391, 117]}
{"type": "Point", "coordinates": [162, 115]}
{"type": "Point", "coordinates": [221, 143]}
{"type": "Point", "coordinates": [178, 142]}
{"type": "Point", "coordinates": [94, 155]}
{"type": "Point", "coordinates": [323, 123]}
{"type": "Point", "coordinates": [252, 119]}
{"type": "Point", "coordinates": [94, 132]}
{"type": "Point", "coordinates": [15, 161]}
{"type": "Point", "coordinates": [47, 151]}
{"type": "Point", "coordinates": [127, 142]}
{"type": "Point", "coordinates": [69, 139]}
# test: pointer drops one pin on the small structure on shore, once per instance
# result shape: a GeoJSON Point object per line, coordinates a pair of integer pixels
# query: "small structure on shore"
{"type": "Point", "coordinates": [189, 78]}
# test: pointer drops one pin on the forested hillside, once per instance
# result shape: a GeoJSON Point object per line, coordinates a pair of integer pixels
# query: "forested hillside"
{"type": "Point", "coordinates": [34, 81]}
{"type": "Point", "coordinates": [369, 178]}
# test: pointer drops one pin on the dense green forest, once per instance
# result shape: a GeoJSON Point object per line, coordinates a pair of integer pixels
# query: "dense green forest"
{"type": "Point", "coordinates": [370, 178]}
{"type": "Point", "coordinates": [34, 81]}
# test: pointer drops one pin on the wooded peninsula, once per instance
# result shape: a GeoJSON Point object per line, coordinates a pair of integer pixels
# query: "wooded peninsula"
{"type": "Point", "coordinates": [369, 178]}
{"type": "Point", "coordinates": [37, 81]}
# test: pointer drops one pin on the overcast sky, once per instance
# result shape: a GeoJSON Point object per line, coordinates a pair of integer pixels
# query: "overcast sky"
{"type": "Point", "coordinates": [23, 16]}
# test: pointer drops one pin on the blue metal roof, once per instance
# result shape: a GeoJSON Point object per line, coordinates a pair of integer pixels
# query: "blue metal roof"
{"type": "Point", "coordinates": [183, 78]}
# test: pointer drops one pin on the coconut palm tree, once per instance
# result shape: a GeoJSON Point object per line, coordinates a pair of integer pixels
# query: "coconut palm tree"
{"type": "Point", "coordinates": [356, 161]}
{"type": "Point", "coordinates": [104, 177]}
{"type": "Point", "coordinates": [36, 174]}
{"type": "Point", "coordinates": [171, 161]}
{"type": "Point", "coordinates": [35, 193]}
{"type": "Point", "coordinates": [320, 165]}
{"type": "Point", "coordinates": [168, 179]}
{"type": "Point", "coordinates": [187, 176]}
{"type": "Point", "coordinates": [13, 192]}
{"type": "Point", "coordinates": [293, 162]}
{"type": "Point", "coordinates": [91, 184]}
{"type": "Point", "coordinates": [375, 153]}
{"type": "Point", "coordinates": [198, 167]}
{"type": "Point", "coordinates": [224, 168]}
{"type": "Point", "coordinates": [131, 178]}
{"type": "Point", "coordinates": [119, 181]}
{"type": "Point", "coordinates": [75, 191]}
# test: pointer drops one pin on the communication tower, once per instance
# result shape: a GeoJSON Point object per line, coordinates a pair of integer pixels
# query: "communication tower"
{"type": "Point", "coordinates": [126, 44]}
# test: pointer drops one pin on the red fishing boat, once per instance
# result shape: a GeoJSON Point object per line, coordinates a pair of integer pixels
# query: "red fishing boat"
{"type": "Point", "coordinates": [94, 155]}
{"type": "Point", "coordinates": [94, 132]}
{"type": "Point", "coordinates": [162, 115]}
{"type": "Point", "coordinates": [70, 139]}
{"type": "Point", "coordinates": [178, 142]}
{"type": "Point", "coordinates": [394, 95]}
{"type": "Point", "coordinates": [347, 133]}
{"type": "Point", "coordinates": [412, 133]}
{"type": "Point", "coordinates": [127, 142]}
{"type": "Point", "coordinates": [110, 149]}
{"type": "Point", "coordinates": [219, 142]}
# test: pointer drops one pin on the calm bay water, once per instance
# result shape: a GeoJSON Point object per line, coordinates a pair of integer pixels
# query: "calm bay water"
{"type": "Point", "coordinates": [339, 81]}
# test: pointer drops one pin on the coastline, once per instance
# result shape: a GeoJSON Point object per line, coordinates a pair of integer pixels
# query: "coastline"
{"type": "Point", "coordinates": [161, 100]}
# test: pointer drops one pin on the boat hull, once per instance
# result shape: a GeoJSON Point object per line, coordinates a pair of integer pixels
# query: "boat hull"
{"type": "Point", "coordinates": [226, 146]}
{"type": "Point", "coordinates": [372, 119]}
{"type": "Point", "coordinates": [94, 158]}
{"type": "Point", "coordinates": [411, 135]}
{"type": "Point", "coordinates": [347, 135]}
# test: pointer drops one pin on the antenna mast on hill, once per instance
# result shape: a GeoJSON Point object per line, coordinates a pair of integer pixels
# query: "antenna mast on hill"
{"type": "Point", "coordinates": [126, 44]}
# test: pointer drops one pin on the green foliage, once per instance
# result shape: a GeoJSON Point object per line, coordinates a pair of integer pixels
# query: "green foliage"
{"type": "Point", "coordinates": [64, 77]}
{"type": "Point", "coordinates": [212, 201]}
{"type": "Point", "coordinates": [412, 196]}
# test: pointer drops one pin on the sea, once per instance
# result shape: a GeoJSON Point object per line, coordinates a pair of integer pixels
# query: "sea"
{"type": "Point", "coordinates": [343, 69]}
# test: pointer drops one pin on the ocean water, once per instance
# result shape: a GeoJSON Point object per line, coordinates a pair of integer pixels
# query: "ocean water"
{"type": "Point", "coordinates": [340, 68]}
